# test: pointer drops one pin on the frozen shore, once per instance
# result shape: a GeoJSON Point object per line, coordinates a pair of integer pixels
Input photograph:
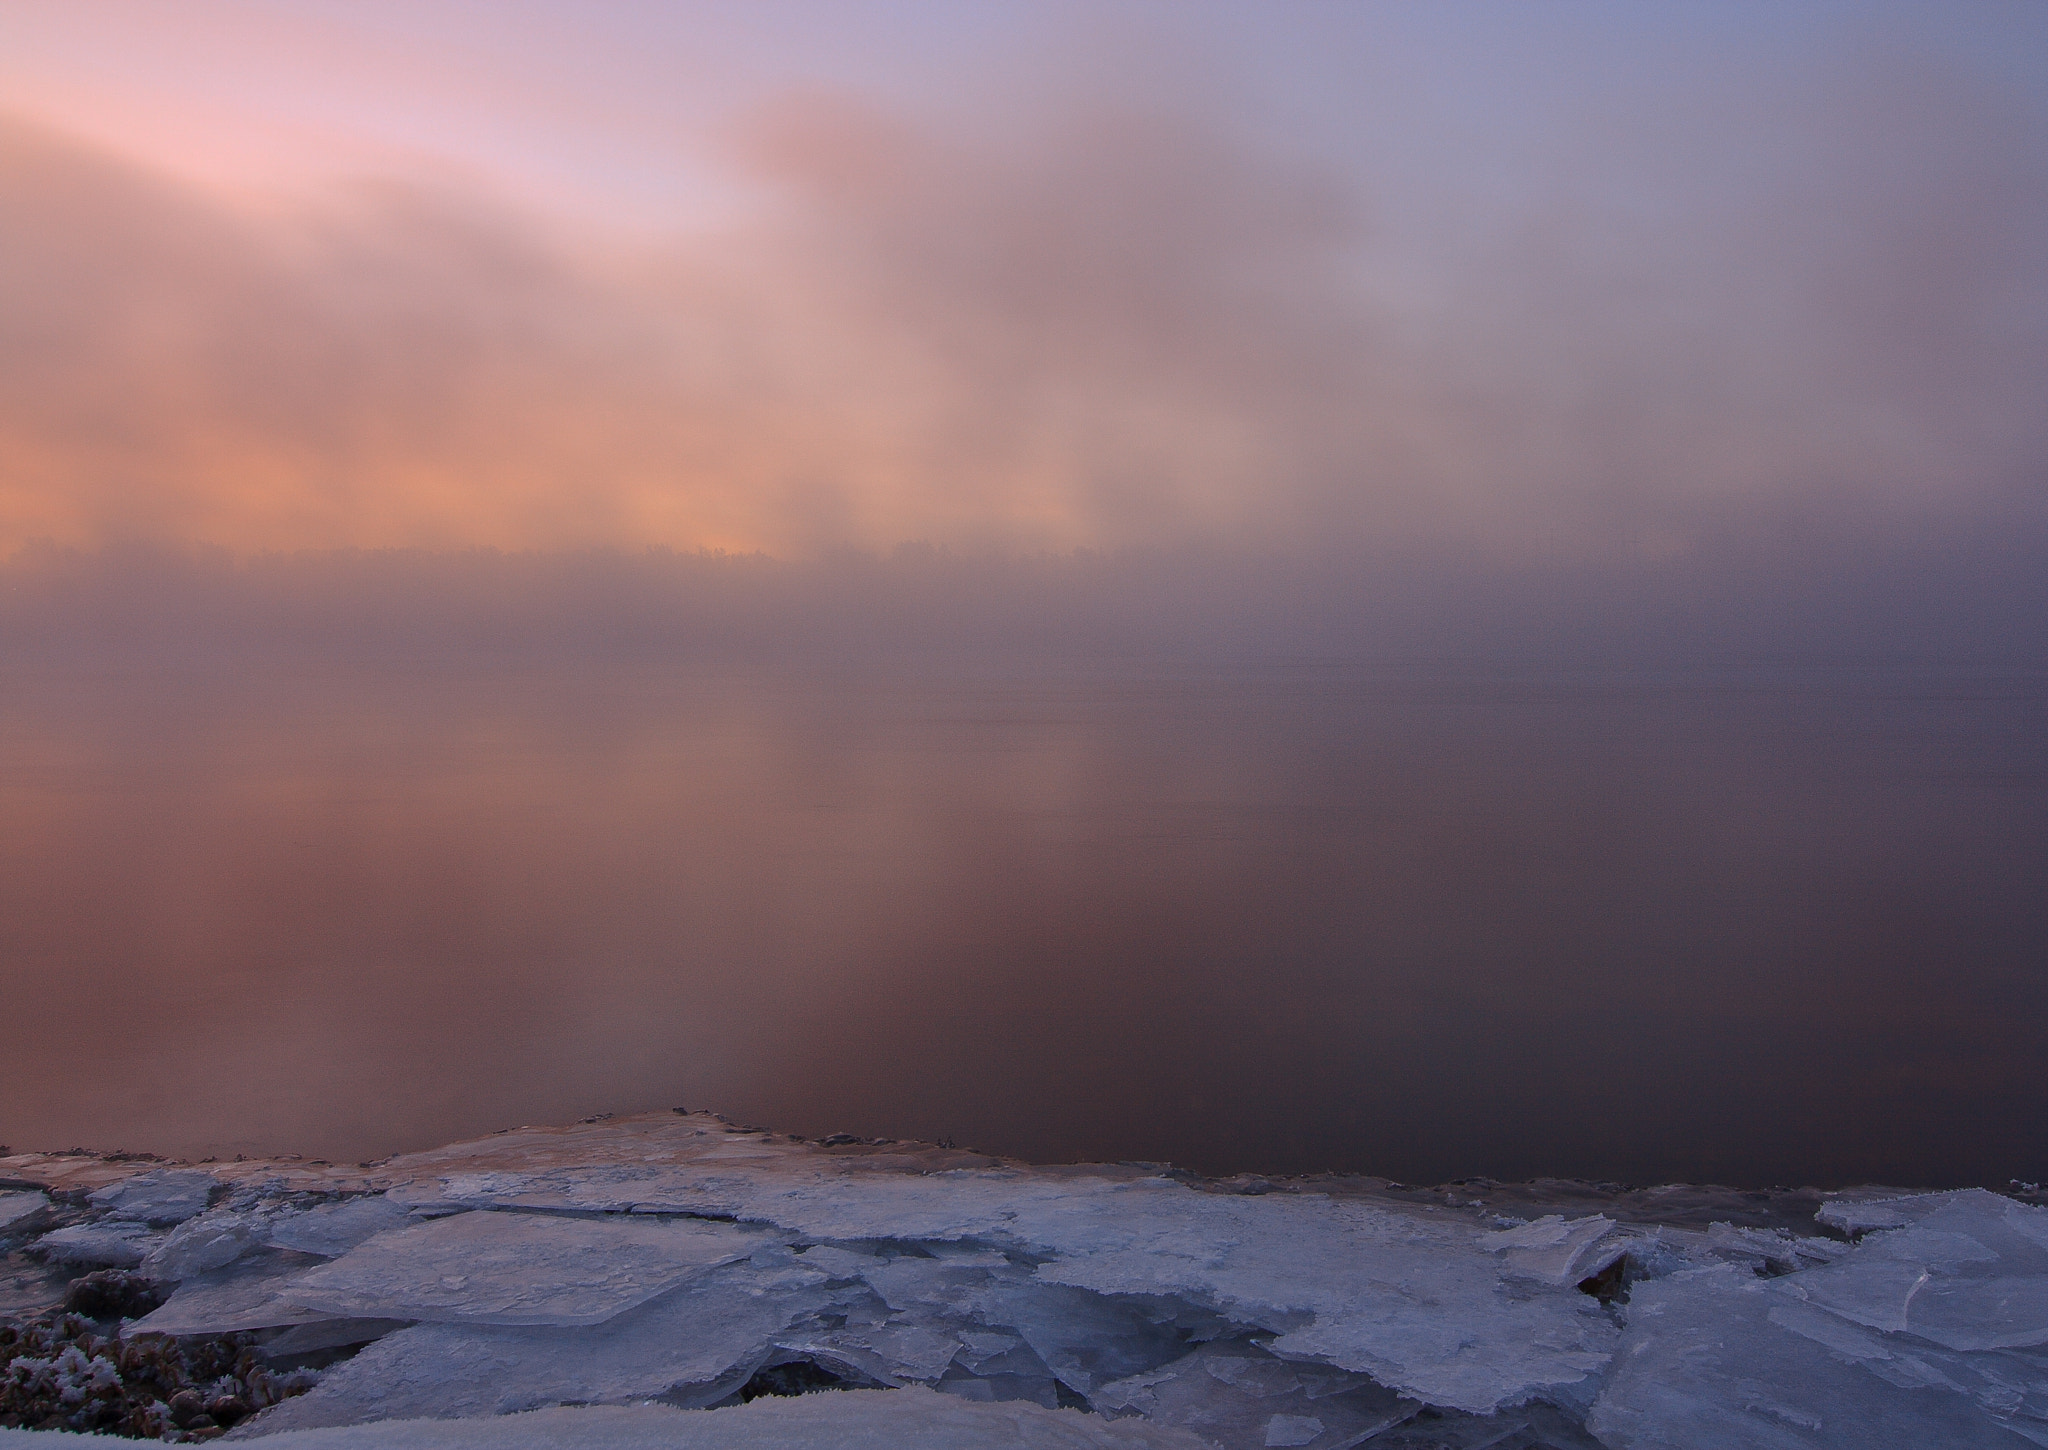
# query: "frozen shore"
{"type": "Point", "coordinates": [670, 1263]}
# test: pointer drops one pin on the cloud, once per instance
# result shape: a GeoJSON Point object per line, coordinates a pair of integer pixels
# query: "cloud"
{"type": "Point", "coordinates": [1107, 326]}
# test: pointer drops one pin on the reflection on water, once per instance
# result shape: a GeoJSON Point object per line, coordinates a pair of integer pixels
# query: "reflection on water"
{"type": "Point", "coordinates": [1748, 927]}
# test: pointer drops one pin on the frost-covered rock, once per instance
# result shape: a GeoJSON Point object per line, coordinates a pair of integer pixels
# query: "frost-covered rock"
{"type": "Point", "coordinates": [518, 1268]}
{"type": "Point", "coordinates": [161, 1196]}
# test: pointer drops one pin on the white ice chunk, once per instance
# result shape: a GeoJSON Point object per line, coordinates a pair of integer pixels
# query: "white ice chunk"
{"type": "Point", "coordinates": [332, 1229]}
{"type": "Point", "coordinates": [710, 1334]}
{"type": "Point", "coordinates": [160, 1196]}
{"type": "Point", "coordinates": [106, 1245]}
{"type": "Point", "coordinates": [18, 1206]}
{"type": "Point", "coordinates": [1556, 1250]}
{"type": "Point", "coordinates": [1231, 1394]}
{"type": "Point", "coordinates": [1719, 1359]}
{"type": "Point", "coordinates": [518, 1268]}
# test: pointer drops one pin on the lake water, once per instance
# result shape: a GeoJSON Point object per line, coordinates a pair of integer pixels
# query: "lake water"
{"type": "Point", "coordinates": [1744, 926]}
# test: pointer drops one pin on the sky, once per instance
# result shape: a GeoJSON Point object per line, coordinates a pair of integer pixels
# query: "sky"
{"type": "Point", "coordinates": [1501, 285]}
{"type": "Point", "coordinates": [931, 513]}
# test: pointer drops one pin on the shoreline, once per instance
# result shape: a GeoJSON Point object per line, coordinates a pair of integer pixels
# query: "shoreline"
{"type": "Point", "coordinates": [678, 1258]}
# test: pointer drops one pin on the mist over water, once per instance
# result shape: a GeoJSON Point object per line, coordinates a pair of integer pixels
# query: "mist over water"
{"type": "Point", "coordinates": [1423, 919]}
{"type": "Point", "coordinates": [1346, 585]}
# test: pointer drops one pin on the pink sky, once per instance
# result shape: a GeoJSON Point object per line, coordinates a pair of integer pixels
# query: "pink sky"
{"type": "Point", "coordinates": [1588, 280]}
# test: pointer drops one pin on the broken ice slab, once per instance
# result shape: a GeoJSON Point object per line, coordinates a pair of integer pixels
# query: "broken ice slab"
{"type": "Point", "coordinates": [19, 1207]}
{"type": "Point", "coordinates": [706, 1336]}
{"type": "Point", "coordinates": [1084, 1339]}
{"type": "Point", "coordinates": [160, 1196]}
{"type": "Point", "coordinates": [838, 1263]}
{"type": "Point", "coordinates": [1654, 1253]}
{"type": "Point", "coordinates": [889, 1349]}
{"type": "Point", "coordinates": [519, 1268]}
{"type": "Point", "coordinates": [1555, 1250]}
{"type": "Point", "coordinates": [315, 1336]}
{"type": "Point", "coordinates": [1719, 1359]}
{"type": "Point", "coordinates": [1534, 1426]}
{"type": "Point", "coordinates": [1412, 1300]}
{"type": "Point", "coordinates": [203, 1244]}
{"type": "Point", "coordinates": [1352, 1282]}
{"type": "Point", "coordinates": [105, 1245]}
{"type": "Point", "coordinates": [332, 1229]}
{"type": "Point", "coordinates": [1969, 1272]}
{"type": "Point", "coordinates": [246, 1295]}
{"type": "Point", "coordinates": [1862, 1210]}
{"type": "Point", "coordinates": [917, 1283]}
{"type": "Point", "coordinates": [1239, 1397]}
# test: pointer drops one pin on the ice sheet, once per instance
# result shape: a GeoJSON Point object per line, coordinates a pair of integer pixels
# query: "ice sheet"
{"type": "Point", "coordinates": [518, 1268]}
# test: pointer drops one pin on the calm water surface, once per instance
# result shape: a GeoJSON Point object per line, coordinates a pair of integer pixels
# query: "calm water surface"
{"type": "Point", "coordinates": [1750, 926]}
